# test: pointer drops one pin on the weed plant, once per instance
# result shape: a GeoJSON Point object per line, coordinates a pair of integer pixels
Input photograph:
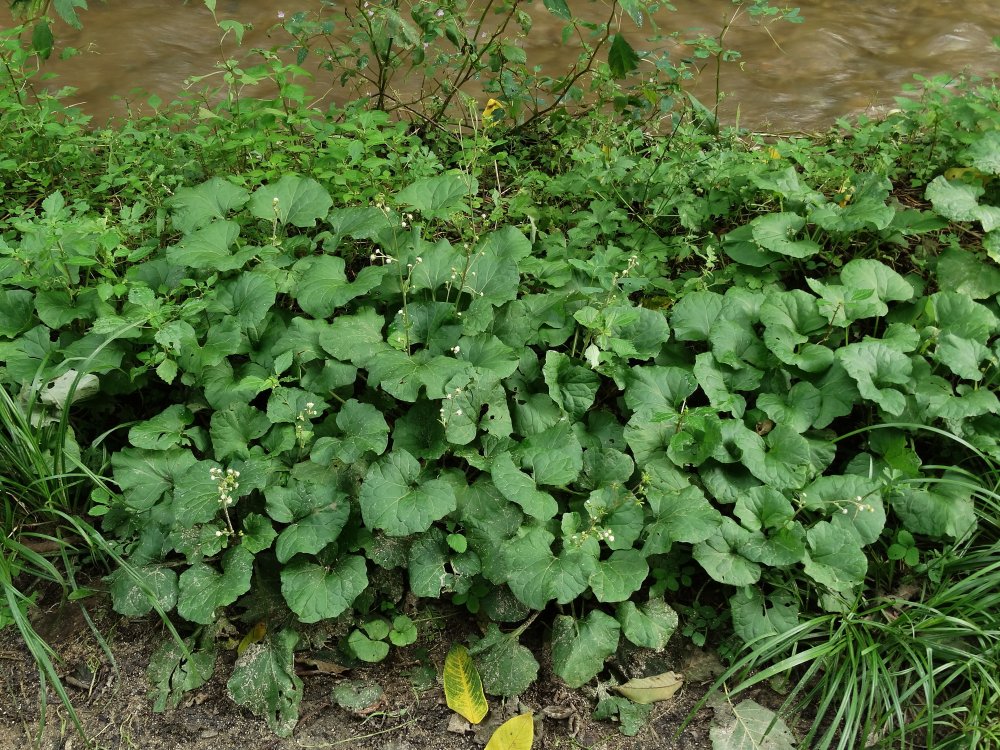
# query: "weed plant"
{"type": "Point", "coordinates": [546, 363]}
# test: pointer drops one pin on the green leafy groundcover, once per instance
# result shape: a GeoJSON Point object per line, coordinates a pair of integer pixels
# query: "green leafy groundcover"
{"type": "Point", "coordinates": [553, 403]}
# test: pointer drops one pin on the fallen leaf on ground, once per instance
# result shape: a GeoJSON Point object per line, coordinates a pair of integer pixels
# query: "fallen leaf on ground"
{"type": "Point", "coordinates": [661, 687]}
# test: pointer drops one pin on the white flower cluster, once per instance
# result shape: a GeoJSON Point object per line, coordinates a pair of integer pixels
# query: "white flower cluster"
{"type": "Point", "coordinates": [227, 484]}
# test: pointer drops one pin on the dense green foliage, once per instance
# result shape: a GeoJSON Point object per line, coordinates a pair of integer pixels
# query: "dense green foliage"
{"type": "Point", "coordinates": [334, 358]}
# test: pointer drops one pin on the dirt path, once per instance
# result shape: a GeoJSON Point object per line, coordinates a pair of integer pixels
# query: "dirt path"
{"type": "Point", "coordinates": [116, 710]}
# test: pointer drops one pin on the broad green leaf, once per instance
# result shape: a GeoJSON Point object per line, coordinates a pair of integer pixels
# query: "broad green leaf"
{"type": "Point", "coordinates": [954, 200]}
{"type": "Point", "coordinates": [648, 625]}
{"type": "Point", "coordinates": [26, 356]}
{"type": "Point", "coordinates": [938, 511]}
{"type": "Point", "coordinates": [720, 555]}
{"type": "Point", "coordinates": [782, 458]}
{"type": "Point", "coordinates": [355, 338]}
{"type": "Point", "coordinates": [57, 308]}
{"type": "Point", "coordinates": [984, 153]}
{"type": "Point", "coordinates": [520, 488]}
{"type": "Point", "coordinates": [839, 394]}
{"type": "Point", "coordinates": [322, 285]}
{"type": "Point", "coordinates": [763, 508]}
{"type": "Point", "coordinates": [507, 668]}
{"type": "Point", "coordinates": [753, 618]}
{"type": "Point", "coordinates": [711, 378]}
{"type": "Point", "coordinates": [438, 196]}
{"type": "Point", "coordinates": [834, 558]}
{"type": "Point", "coordinates": [571, 386]}
{"type": "Point", "coordinates": [654, 390]}
{"type": "Point", "coordinates": [555, 455]}
{"type": "Point", "coordinates": [419, 432]}
{"type": "Point", "coordinates": [490, 520]}
{"type": "Point", "coordinates": [487, 352]}
{"type": "Point", "coordinates": [622, 59]}
{"type": "Point", "coordinates": [194, 207]}
{"type": "Point", "coordinates": [875, 367]}
{"type": "Point", "coordinates": [294, 200]}
{"type": "Point", "coordinates": [371, 650]}
{"type": "Point", "coordinates": [265, 682]}
{"type": "Point", "coordinates": [315, 513]}
{"type": "Point", "coordinates": [402, 375]}
{"type": "Point", "coordinates": [16, 311]}
{"type": "Point", "coordinates": [850, 501]}
{"type": "Point", "coordinates": [363, 429]}
{"type": "Point", "coordinates": [211, 247]}
{"type": "Point", "coordinates": [736, 344]}
{"type": "Point", "coordinates": [536, 576]}
{"type": "Point", "coordinates": [859, 214]}
{"type": "Point", "coordinates": [394, 499]}
{"type": "Point", "coordinates": [517, 733]}
{"type": "Point", "coordinates": [604, 466]}
{"type": "Point", "coordinates": [620, 576]}
{"type": "Point", "coordinates": [492, 277]}
{"type": "Point", "coordinates": [247, 299]}
{"type": "Point", "coordinates": [962, 356]}
{"type": "Point", "coordinates": [166, 430]}
{"type": "Point", "coordinates": [258, 533]}
{"type": "Point", "coordinates": [134, 591]}
{"type": "Point", "coordinates": [357, 695]}
{"type": "Point", "coordinates": [696, 438]}
{"type": "Point", "coordinates": [797, 408]}
{"type": "Point", "coordinates": [319, 592]}
{"type": "Point", "coordinates": [360, 223]}
{"type": "Point", "coordinates": [558, 8]}
{"type": "Point", "coordinates": [426, 565]}
{"type": "Point", "coordinates": [175, 671]}
{"type": "Point", "coordinates": [889, 286]}
{"type": "Point", "coordinates": [679, 516]}
{"type": "Point", "coordinates": [145, 476]}
{"type": "Point", "coordinates": [693, 315]}
{"type": "Point", "coordinates": [203, 589]}
{"type": "Point", "coordinates": [463, 689]}
{"type": "Point", "coordinates": [478, 404]}
{"type": "Point", "coordinates": [235, 427]}
{"type": "Point", "coordinates": [776, 548]}
{"type": "Point", "coordinates": [293, 406]}
{"type": "Point", "coordinates": [958, 315]}
{"type": "Point", "coordinates": [776, 232]}
{"type": "Point", "coordinates": [579, 647]}
{"type": "Point", "coordinates": [750, 726]}
{"type": "Point", "coordinates": [795, 309]}
{"type": "Point", "coordinates": [619, 512]}
{"type": "Point", "coordinates": [197, 497]}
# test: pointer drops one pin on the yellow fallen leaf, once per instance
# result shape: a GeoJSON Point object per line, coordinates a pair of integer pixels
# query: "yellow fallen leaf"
{"type": "Point", "coordinates": [514, 734]}
{"type": "Point", "coordinates": [463, 689]}
{"type": "Point", "coordinates": [652, 689]}
{"type": "Point", "coordinates": [491, 106]}
{"type": "Point", "coordinates": [256, 635]}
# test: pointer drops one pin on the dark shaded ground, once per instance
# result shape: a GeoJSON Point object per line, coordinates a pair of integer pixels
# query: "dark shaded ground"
{"type": "Point", "coordinates": [116, 710]}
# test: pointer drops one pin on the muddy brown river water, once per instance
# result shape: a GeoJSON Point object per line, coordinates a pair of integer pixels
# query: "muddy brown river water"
{"type": "Point", "coordinates": [848, 56]}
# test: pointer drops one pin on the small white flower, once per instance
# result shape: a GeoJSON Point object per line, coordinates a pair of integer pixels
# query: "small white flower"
{"type": "Point", "coordinates": [456, 349]}
{"type": "Point", "coordinates": [458, 412]}
{"type": "Point", "coordinates": [281, 15]}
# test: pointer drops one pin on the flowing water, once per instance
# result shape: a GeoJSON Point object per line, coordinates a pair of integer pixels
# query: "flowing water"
{"type": "Point", "coordinates": [848, 57]}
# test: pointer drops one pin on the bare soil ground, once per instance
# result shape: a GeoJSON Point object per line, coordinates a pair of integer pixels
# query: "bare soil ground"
{"type": "Point", "coordinates": [116, 710]}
